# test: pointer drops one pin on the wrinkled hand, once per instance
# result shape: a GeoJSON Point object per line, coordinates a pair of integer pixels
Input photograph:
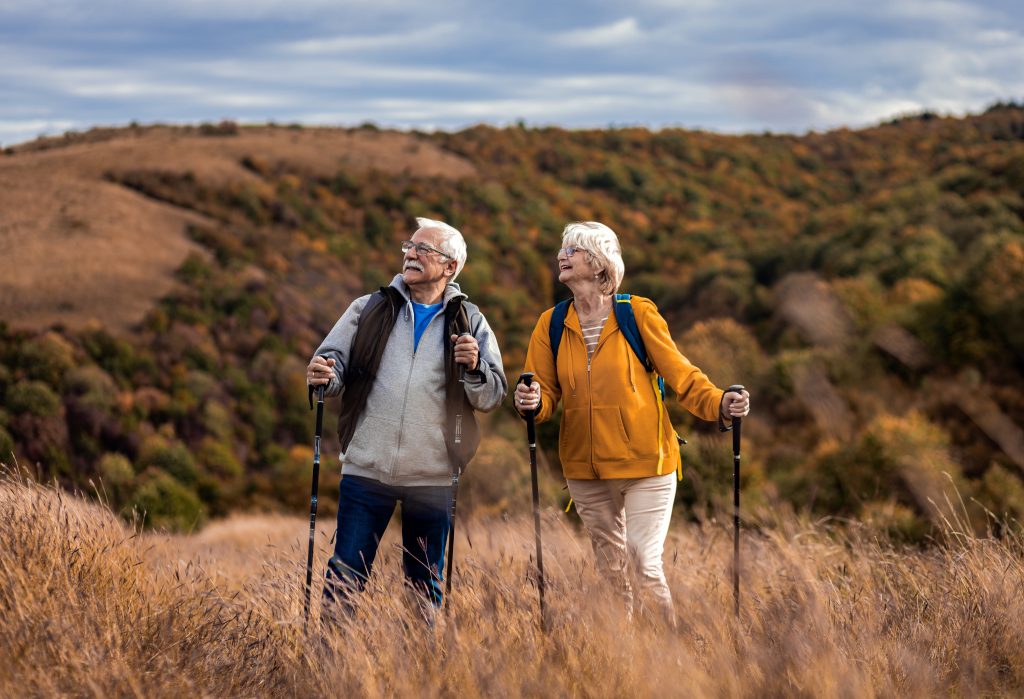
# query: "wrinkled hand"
{"type": "Point", "coordinates": [467, 351]}
{"type": "Point", "coordinates": [527, 397]}
{"type": "Point", "coordinates": [735, 404]}
{"type": "Point", "coordinates": [319, 371]}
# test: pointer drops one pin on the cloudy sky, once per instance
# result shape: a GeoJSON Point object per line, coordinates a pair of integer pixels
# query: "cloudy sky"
{"type": "Point", "coordinates": [723, 65]}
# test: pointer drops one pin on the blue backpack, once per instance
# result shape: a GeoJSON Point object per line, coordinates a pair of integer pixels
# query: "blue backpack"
{"type": "Point", "coordinates": [627, 325]}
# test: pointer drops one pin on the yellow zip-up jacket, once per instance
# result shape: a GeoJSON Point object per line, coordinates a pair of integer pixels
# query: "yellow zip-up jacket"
{"type": "Point", "coordinates": [611, 422]}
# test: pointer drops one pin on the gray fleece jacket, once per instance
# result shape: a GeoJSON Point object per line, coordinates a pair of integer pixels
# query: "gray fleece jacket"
{"type": "Point", "coordinates": [399, 439]}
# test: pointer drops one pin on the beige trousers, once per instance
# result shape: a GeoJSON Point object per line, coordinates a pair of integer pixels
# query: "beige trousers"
{"type": "Point", "coordinates": [627, 520]}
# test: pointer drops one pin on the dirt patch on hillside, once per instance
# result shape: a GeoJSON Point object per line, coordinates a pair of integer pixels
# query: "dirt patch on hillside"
{"type": "Point", "coordinates": [75, 247]}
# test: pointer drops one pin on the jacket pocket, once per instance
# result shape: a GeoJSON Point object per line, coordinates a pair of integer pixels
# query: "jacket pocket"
{"type": "Point", "coordinates": [642, 429]}
{"type": "Point", "coordinates": [610, 440]}
{"type": "Point", "coordinates": [574, 436]}
{"type": "Point", "coordinates": [374, 444]}
{"type": "Point", "coordinates": [422, 452]}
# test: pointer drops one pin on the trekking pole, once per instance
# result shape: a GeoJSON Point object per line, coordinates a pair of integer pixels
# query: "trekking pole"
{"type": "Point", "coordinates": [451, 541]}
{"type": "Point", "coordinates": [736, 426]}
{"type": "Point", "coordinates": [312, 497]}
{"type": "Point", "coordinates": [455, 489]}
{"type": "Point", "coordinates": [531, 435]}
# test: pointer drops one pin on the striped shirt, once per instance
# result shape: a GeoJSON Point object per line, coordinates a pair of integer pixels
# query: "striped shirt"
{"type": "Point", "coordinates": [592, 333]}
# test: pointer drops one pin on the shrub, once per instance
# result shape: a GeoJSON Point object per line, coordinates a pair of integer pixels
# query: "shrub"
{"type": "Point", "coordinates": [115, 356]}
{"type": "Point", "coordinates": [116, 474]}
{"type": "Point", "coordinates": [376, 227]}
{"type": "Point", "coordinates": [724, 350]}
{"type": "Point", "coordinates": [1002, 493]}
{"type": "Point", "coordinates": [290, 476]}
{"type": "Point", "coordinates": [171, 457]}
{"type": "Point", "coordinates": [115, 469]}
{"type": "Point", "coordinates": [33, 398]}
{"type": "Point", "coordinates": [217, 420]}
{"type": "Point", "coordinates": [218, 459]}
{"type": "Point", "coordinates": [903, 459]}
{"type": "Point", "coordinates": [46, 358]}
{"type": "Point", "coordinates": [166, 503]}
{"type": "Point", "coordinates": [94, 386]}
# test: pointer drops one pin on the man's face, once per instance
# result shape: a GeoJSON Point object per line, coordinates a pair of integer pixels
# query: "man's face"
{"type": "Point", "coordinates": [429, 267]}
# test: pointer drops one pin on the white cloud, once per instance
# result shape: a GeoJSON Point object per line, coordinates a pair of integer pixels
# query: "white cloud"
{"type": "Point", "coordinates": [625, 31]}
{"type": "Point", "coordinates": [209, 95]}
{"type": "Point", "coordinates": [351, 43]}
{"type": "Point", "coordinates": [317, 72]}
{"type": "Point", "coordinates": [76, 11]}
{"type": "Point", "coordinates": [727, 65]}
{"type": "Point", "coordinates": [948, 12]}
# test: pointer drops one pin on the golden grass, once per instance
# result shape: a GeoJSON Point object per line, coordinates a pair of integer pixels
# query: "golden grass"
{"type": "Point", "coordinates": [88, 608]}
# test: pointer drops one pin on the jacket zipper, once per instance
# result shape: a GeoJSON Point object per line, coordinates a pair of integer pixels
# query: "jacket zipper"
{"type": "Point", "coordinates": [590, 398]}
{"type": "Point", "coordinates": [408, 380]}
{"type": "Point", "coordinates": [401, 423]}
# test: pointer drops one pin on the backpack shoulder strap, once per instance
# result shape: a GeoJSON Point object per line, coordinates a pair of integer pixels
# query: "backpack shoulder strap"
{"type": "Point", "coordinates": [462, 432]}
{"type": "Point", "coordinates": [375, 298]}
{"type": "Point", "coordinates": [557, 326]}
{"type": "Point", "coordinates": [627, 325]}
{"type": "Point", "coordinates": [626, 319]}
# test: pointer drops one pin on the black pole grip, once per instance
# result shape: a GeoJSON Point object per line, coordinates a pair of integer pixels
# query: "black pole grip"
{"type": "Point", "coordinates": [735, 388]}
{"type": "Point", "coordinates": [462, 367]}
{"type": "Point", "coordinates": [531, 429]}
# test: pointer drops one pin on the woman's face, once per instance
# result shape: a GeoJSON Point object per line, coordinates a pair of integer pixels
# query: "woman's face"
{"type": "Point", "coordinates": [574, 265]}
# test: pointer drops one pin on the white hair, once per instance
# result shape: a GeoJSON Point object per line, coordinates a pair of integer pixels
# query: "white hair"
{"type": "Point", "coordinates": [452, 243]}
{"type": "Point", "coordinates": [602, 248]}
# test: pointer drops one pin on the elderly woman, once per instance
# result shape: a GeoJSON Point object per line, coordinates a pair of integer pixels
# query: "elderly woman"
{"type": "Point", "coordinates": [618, 450]}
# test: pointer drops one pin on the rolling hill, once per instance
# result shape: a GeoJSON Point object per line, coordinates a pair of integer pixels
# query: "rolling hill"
{"type": "Point", "coordinates": [163, 287]}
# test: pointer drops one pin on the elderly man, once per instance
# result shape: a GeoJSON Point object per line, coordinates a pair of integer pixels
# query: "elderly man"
{"type": "Point", "coordinates": [412, 361]}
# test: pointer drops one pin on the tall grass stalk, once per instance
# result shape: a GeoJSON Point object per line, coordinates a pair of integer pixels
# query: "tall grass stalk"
{"type": "Point", "coordinates": [91, 607]}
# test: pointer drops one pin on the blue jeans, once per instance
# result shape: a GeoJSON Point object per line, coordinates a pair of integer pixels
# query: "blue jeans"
{"type": "Point", "coordinates": [365, 507]}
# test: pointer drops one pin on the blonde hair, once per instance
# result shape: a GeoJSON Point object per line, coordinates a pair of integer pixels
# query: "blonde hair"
{"type": "Point", "coordinates": [452, 243]}
{"type": "Point", "coordinates": [602, 248]}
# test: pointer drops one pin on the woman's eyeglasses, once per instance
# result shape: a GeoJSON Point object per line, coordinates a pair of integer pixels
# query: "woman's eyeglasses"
{"type": "Point", "coordinates": [571, 250]}
{"type": "Point", "coordinates": [423, 249]}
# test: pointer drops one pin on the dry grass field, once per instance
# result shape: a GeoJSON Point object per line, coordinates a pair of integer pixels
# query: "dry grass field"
{"type": "Point", "coordinates": [89, 607]}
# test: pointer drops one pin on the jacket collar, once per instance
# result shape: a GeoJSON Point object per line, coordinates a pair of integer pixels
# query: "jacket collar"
{"type": "Point", "coordinates": [451, 291]}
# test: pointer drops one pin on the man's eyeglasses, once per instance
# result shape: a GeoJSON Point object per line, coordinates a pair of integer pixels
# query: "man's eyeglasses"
{"type": "Point", "coordinates": [423, 249]}
{"type": "Point", "coordinates": [571, 250]}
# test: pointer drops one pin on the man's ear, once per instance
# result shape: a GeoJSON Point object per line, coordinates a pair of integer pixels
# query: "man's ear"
{"type": "Point", "coordinates": [449, 270]}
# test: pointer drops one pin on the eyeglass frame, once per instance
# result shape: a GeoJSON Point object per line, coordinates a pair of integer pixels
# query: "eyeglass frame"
{"type": "Point", "coordinates": [423, 249]}
{"type": "Point", "coordinates": [571, 250]}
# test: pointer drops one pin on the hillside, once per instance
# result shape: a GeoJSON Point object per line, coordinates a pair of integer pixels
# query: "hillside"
{"type": "Point", "coordinates": [864, 285]}
{"type": "Point", "coordinates": [79, 245]}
